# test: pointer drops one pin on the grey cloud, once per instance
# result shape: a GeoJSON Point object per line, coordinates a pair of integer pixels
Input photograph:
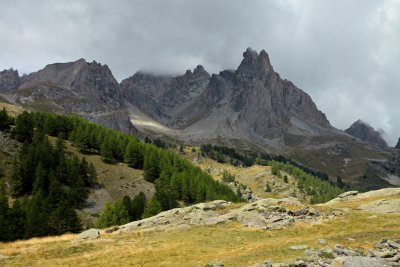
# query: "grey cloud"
{"type": "Point", "coordinates": [343, 53]}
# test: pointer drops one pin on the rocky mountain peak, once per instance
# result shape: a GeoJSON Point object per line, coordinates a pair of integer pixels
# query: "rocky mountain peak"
{"type": "Point", "coordinates": [254, 65]}
{"type": "Point", "coordinates": [362, 130]}
{"type": "Point", "coordinates": [9, 80]}
{"type": "Point", "coordinates": [199, 70]}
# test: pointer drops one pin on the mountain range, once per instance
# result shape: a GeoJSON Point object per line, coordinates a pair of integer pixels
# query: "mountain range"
{"type": "Point", "coordinates": [250, 108]}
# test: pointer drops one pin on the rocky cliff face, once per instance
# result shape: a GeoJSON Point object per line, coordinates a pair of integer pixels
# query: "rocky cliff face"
{"type": "Point", "coordinates": [253, 100]}
{"type": "Point", "coordinates": [9, 80]}
{"type": "Point", "coordinates": [87, 89]}
{"type": "Point", "coordinates": [92, 82]}
{"type": "Point", "coordinates": [365, 132]}
{"type": "Point", "coordinates": [164, 98]}
{"type": "Point", "coordinates": [258, 89]}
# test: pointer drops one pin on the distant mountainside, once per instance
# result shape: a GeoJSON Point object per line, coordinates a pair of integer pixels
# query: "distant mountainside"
{"type": "Point", "coordinates": [87, 89]}
{"type": "Point", "coordinates": [365, 132]}
{"type": "Point", "coordinates": [250, 108]}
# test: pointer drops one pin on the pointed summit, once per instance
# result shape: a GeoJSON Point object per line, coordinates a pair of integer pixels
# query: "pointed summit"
{"type": "Point", "coordinates": [362, 130]}
{"type": "Point", "coordinates": [199, 70]}
{"type": "Point", "coordinates": [254, 64]}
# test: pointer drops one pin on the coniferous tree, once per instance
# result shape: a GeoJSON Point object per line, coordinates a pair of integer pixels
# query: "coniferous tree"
{"type": "Point", "coordinates": [41, 180]}
{"type": "Point", "coordinates": [91, 175]}
{"type": "Point", "coordinates": [153, 207]}
{"type": "Point", "coordinates": [5, 120]}
{"type": "Point", "coordinates": [137, 205]}
{"type": "Point", "coordinates": [113, 214]}
{"type": "Point", "coordinates": [36, 218]}
{"type": "Point", "coordinates": [151, 166]}
{"type": "Point", "coordinates": [63, 219]}
{"type": "Point", "coordinates": [23, 130]}
{"type": "Point", "coordinates": [106, 151]}
{"type": "Point", "coordinates": [17, 219]}
{"type": "Point", "coordinates": [134, 156]}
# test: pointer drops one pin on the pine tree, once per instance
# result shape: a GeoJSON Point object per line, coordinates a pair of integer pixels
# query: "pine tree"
{"type": "Point", "coordinates": [153, 207]}
{"type": "Point", "coordinates": [40, 184]}
{"type": "Point", "coordinates": [134, 156]}
{"type": "Point", "coordinates": [113, 214]}
{"type": "Point", "coordinates": [151, 167]}
{"type": "Point", "coordinates": [36, 218]}
{"type": "Point", "coordinates": [106, 151]}
{"type": "Point", "coordinates": [23, 130]}
{"type": "Point", "coordinates": [5, 120]}
{"type": "Point", "coordinates": [63, 219]}
{"type": "Point", "coordinates": [91, 175]}
{"type": "Point", "coordinates": [17, 218]}
{"type": "Point", "coordinates": [138, 203]}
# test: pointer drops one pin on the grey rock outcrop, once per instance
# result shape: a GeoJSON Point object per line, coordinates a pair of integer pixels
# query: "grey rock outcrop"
{"type": "Point", "coordinates": [9, 80]}
{"type": "Point", "coordinates": [88, 234]}
{"type": "Point", "coordinates": [365, 132]}
{"type": "Point", "coordinates": [348, 194]}
{"type": "Point", "coordinates": [357, 261]}
{"type": "Point", "coordinates": [385, 254]}
{"type": "Point", "coordinates": [266, 214]}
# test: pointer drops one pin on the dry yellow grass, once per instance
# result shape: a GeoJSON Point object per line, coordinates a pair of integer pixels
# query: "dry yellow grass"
{"type": "Point", "coordinates": [256, 177]}
{"type": "Point", "coordinates": [232, 243]}
{"type": "Point", "coordinates": [11, 109]}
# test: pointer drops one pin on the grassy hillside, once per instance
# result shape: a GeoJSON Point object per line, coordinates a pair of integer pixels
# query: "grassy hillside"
{"type": "Point", "coordinates": [265, 178]}
{"type": "Point", "coordinates": [231, 243]}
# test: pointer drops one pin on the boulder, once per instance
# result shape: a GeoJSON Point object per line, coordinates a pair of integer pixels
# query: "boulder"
{"type": "Point", "coordinates": [89, 234]}
{"type": "Point", "coordinates": [348, 194]}
{"type": "Point", "coordinates": [358, 261]}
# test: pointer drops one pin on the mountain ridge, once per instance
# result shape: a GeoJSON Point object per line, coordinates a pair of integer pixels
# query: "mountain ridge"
{"type": "Point", "coordinates": [250, 108]}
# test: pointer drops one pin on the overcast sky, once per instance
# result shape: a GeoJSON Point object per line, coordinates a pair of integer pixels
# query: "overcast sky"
{"type": "Point", "coordinates": [344, 53]}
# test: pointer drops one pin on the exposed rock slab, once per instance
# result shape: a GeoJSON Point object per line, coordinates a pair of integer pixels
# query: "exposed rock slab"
{"type": "Point", "coordinates": [88, 234]}
{"type": "Point", "coordinates": [383, 206]}
{"type": "Point", "coordinates": [267, 214]}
